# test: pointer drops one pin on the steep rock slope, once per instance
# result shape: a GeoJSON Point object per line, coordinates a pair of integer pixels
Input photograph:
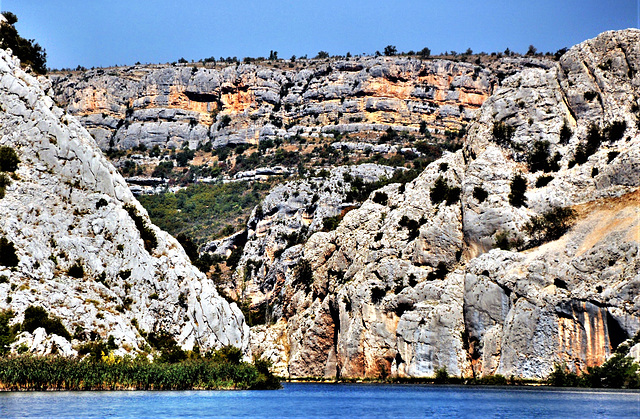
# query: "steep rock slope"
{"type": "Point", "coordinates": [410, 284]}
{"type": "Point", "coordinates": [85, 248]}
{"type": "Point", "coordinates": [173, 105]}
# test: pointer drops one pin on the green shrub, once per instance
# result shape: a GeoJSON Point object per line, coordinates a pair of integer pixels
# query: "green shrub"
{"type": "Point", "coordinates": [331, 223]}
{"type": "Point", "coordinates": [503, 133]}
{"type": "Point", "coordinates": [502, 241]}
{"type": "Point", "coordinates": [453, 195]}
{"type": "Point", "coordinates": [412, 225]}
{"type": "Point", "coordinates": [169, 350]}
{"type": "Point", "coordinates": [8, 255]}
{"type": "Point", "coordinates": [440, 272]}
{"type": "Point", "coordinates": [304, 274]}
{"type": "Point", "coordinates": [377, 294]}
{"type": "Point", "coordinates": [587, 148]}
{"type": "Point", "coordinates": [7, 333]}
{"type": "Point", "coordinates": [615, 131]}
{"type": "Point", "coordinates": [226, 354]}
{"type": "Point", "coordinates": [550, 226]}
{"type": "Point", "coordinates": [36, 316]}
{"type": "Point", "coordinates": [480, 194]}
{"type": "Point", "coordinates": [163, 169]}
{"type": "Point", "coordinates": [101, 203]}
{"type": "Point", "coordinates": [442, 192]}
{"type": "Point", "coordinates": [543, 180]}
{"type": "Point", "coordinates": [29, 53]}
{"type": "Point", "coordinates": [380, 198]}
{"type": "Point", "coordinates": [612, 155]}
{"type": "Point", "coordinates": [28, 372]}
{"type": "Point", "coordinates": [539, 159]}
{"type": "Point", "coordinates": [441, 376]}
{"type": "Point", "coordinates": [76, 270]}
{"type": "Point", "coordinates": [4, 182]}
{"type": "Point", "coordinates": [8, 159]}
{"type": "Point", "coordinates": [565, 133]}
{"type": "Point", "coordinates": [589, 96]}
{"type": "Point", "coordinates": [517, 196]}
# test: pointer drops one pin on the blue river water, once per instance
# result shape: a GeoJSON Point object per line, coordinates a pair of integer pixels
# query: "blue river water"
{"type": "Point", "coordinates": [331, 401]}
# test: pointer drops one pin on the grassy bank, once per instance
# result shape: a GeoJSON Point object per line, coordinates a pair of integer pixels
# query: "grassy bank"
{"type": "Point", "coordinates": [25, 372]}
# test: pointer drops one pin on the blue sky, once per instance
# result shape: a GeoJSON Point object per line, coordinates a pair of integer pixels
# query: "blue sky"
{"type": "Point", "coordinates": [102, 33]}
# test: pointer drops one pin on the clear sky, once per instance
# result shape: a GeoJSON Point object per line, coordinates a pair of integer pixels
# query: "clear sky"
{"type": "Point", "coordinates": [102, 33]}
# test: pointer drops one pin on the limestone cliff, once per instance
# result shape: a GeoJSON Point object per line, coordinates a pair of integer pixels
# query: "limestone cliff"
{"type": "Point", "coordinates": [413, 281]}
{"type": "Point", "coordinates": [85, 248]}
{"type": "Point", "coordinates": [170, 106]}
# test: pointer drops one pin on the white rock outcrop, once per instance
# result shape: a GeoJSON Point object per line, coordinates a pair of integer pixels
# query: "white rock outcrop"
{"type": "Point", "coordinates": [68, 206]}
{"type": "Point", "coordinates": [408, 285]}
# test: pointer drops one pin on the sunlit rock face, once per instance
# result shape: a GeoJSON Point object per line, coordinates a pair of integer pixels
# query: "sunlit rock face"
{"type": "Point", "coordinates": [408, 284]}
{"type": "Point", "coordinates": [85, 247]}
{"type": "Point", "coordinates": [171, 106]}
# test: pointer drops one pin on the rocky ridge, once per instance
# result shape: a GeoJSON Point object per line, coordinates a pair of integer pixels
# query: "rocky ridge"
{"type": "Point", "coordinates": [86, 251]}
{"type": "Point", "coordinates": [412, 281]}
{"type": "Point", "coordinates": [171, 106]}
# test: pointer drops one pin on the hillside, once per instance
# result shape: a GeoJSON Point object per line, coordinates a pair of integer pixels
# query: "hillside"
{"type": "Point", "coordinates": [76, 242]}
{"type": "Point", "coordinates": [508, 256]}
{"type": "Point", "coordinates": [422, 214]}
{"type": "Point", "coordinates": [168, 126]}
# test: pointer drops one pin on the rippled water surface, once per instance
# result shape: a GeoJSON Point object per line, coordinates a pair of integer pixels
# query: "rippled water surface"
{"type": "Point", "coordinates": [331, 401]}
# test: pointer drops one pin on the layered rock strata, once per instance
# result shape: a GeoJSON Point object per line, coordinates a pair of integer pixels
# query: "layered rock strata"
{"type": "Point", "coordinates": [172, 106]}
{"type": "Point", "coordinates": [412, 281]}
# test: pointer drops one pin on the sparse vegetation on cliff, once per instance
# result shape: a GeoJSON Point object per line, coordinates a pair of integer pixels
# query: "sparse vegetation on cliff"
{"type": "Point", "coordinates": [619, 371]}
{"type": "Point", "coordinates": [550, 226]}
{"type": "Point", "coordinates": [517, 196]}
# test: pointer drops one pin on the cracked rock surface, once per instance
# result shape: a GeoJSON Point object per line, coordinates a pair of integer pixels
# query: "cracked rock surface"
{"type": "Point", "coordinates": [68, 206]}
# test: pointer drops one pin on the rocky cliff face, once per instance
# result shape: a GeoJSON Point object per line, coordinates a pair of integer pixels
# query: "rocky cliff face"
{"type": "Point", "coordinates": [85, 248]}
{"type": "Point", "coordinates": [170, 106]}
{"type": "Point", "coordinates": [413, 281]}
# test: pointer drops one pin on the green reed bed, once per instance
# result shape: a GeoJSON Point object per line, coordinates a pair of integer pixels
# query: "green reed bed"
{"type": "Point", "coordinates": [25, 372]}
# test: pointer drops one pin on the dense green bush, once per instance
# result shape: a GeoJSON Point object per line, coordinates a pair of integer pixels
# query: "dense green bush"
{"type": "Point", "coordinates": [377, 294]}
{"type": "Point", "coordinates": [543, 181]}
{"type": "Point", "coordinates": [441, 191]}
{"type": "Point", "coordinates": [441, 376]}
{"type": "Point", "coordinates": [76, 270]}
{"type": "Point", "coordinates": [7, 333]}
{"type": "Point", "coordinates": [480, 194]}
{"type": "Point", "coordinates": [615, 131]}
{"type": "Point", "coordinates": [565, 133]}
{"type": "Point", "coordinates": [587, 148]}
{"type": "Point", "coordinates": [163, 170]}
{"type": "Point", "coordinates": [58, 373]}
{"type": "Point", "coordinates": [412, 225]}
{"type": "Point", "coordinates": [331, 223]}
{"type": "Point", "coordinates": [36, 316]}
{"type": "Point", "coordinates": [517, 196]}
{"type": "Point", "coordinates": [26, 50]}
{"type": "Point", "coordinates": [503, 133]}
{"type": "Point", "coordinates": [304, 274]}
{"type": "Point", "coordinates": [618, 372]}
{"type": "Point", "coordinates": [8, 159]}
{"type": "Point", "coordinates": [8, 255]}
{"type": "Point", "coordinates": [550, 226]}
{"type": "Point", "coordinates": [440, 272]}
{"type": "Point", "coordinates": [380, 198]}
{"type": "Point", "coordinates": [540, 160]}
{"type": "Point", "coordinates": [4, 182]}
